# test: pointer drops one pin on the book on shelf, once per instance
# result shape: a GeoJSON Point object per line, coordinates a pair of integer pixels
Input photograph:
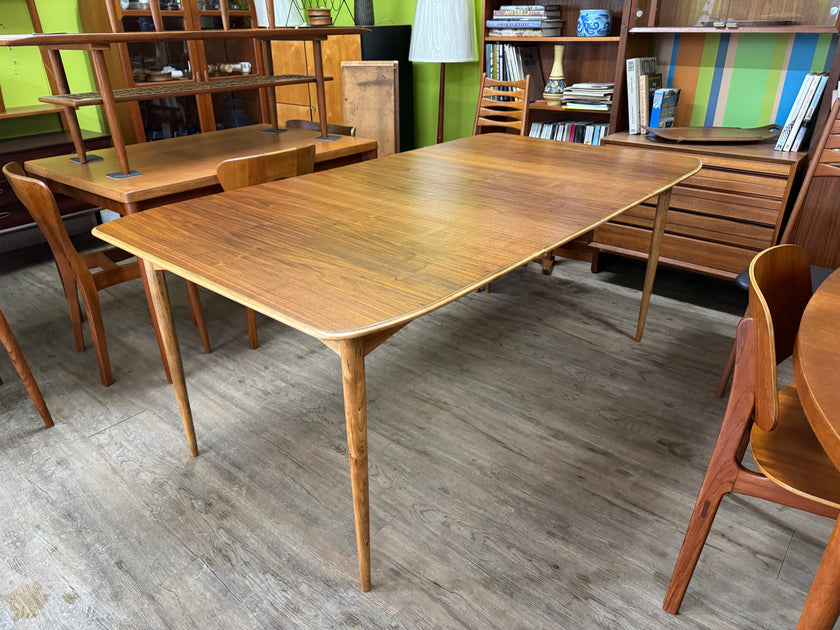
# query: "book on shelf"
{"type": "Point", "coordinates": [505, 61]}
{"type": "Point", "coordinates": [578, 131]}
{"type": "Point", "coordinates": [799, 106]}
{"type": "Point", "coordinates": [635, 67]}
{"type": "Point", "coordinates": [525, 12]}
{"type": "Point", "coordinates": [524, 32]}
{"type": "Point", "coordinates": [648, 84]}
{"type": "Point", "coordinates": [800, 116]}
{"type": "Point", "coordinates": [663, 108]}
{"type": "Point", "coordinates": [807, 126]}
{"type": "Point", "coordinates": [594, 96]}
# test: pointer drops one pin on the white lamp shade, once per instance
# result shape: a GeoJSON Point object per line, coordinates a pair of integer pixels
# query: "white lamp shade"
{"type": "Point", "coordinates": [443, 31]}
{"type": "Point", "coordinates": [286, 13]}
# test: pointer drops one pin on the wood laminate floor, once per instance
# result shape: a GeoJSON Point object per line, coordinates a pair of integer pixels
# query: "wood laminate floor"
{"type": "Point", "coordinates": [531, 467]}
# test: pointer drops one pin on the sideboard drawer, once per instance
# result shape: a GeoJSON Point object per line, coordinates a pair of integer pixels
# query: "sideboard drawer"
{"type": "Point", "coordinates": [719, 218]}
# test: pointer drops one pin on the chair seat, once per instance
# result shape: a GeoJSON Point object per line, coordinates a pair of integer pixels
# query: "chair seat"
{"type": "Point", "coordinates": [791, 455]}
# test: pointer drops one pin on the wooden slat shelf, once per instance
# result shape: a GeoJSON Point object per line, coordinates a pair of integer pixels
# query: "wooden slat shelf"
{"type": "Point", "coordinates": [29, 110]}
{"type": "Point", "coordinates": [181, 88]}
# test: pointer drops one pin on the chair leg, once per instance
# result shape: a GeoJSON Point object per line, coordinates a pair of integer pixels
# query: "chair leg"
{"type": "Point", "coordinates": [253, 338]}
{"type": "Point", "coordinates": [822, 607]}
{"type": "Point", "coordinates": [71, 294]}
{"type": "Point", "coordinates": [722, 472]}
{"type": "Point", "coordinates": [90, 298]}
{"type": "Point", "coordinates": [727, 372]}
{"type": "Point", "coordinates": [22, 367]}
{"type": "Point", "coordinates": [198, 315]}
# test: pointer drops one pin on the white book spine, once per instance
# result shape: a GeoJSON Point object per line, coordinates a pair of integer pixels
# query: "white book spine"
{"type": "Point", "coordinates": [633, 95]}
{"type": "Point", "coordinates": [797, 122]}
{"type": "Point", "coordinates": [794, 110]}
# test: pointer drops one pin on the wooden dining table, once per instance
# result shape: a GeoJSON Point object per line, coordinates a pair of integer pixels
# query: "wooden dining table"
{"type": "Point", "coordinates": [351, 255]}
{"type": "Point", "coordinates": [183, 167]}
{"type": "Point", "coordinates": [816, 366]}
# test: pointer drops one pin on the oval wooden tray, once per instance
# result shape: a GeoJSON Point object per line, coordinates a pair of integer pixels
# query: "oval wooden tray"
{"type": "Point", "coordinates": [716, 134]}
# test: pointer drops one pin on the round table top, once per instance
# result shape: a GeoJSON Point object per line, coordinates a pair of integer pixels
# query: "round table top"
{"type": "Point", "coordinates": [816, 362]}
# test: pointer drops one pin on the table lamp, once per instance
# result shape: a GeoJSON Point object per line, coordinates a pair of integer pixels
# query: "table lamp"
{"type": "Point", "coordinates": [443, 32]}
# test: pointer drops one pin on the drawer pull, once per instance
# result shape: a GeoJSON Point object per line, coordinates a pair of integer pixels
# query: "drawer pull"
{"type": "Point", "coordinates": [5, 215]}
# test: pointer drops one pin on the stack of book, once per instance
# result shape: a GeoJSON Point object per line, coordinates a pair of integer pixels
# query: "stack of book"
{"type": "Point", "coordinates": [580, 131]}
{"type": "Point", "coordinates": [593, 96]}
{"type": "Point", "coordinates": [525, 20]}
{"type": "Point", "coordinates": [801, 119]}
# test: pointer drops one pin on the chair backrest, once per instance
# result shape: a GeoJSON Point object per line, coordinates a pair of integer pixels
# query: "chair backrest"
{"type": "Point", "coordinates": [259, 169]}
{"type": "Point", "coordinates": [313, 125]}
{"type": "Point", "coordinates": [502, 105]}
{"type": "Point", "coordinates": [40, 202]}
{"type": "Point", "coordinates": [780, 287]}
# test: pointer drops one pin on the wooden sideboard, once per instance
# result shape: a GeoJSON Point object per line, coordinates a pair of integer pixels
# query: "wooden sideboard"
{"type": "Point", "coordinates": [720, 217]}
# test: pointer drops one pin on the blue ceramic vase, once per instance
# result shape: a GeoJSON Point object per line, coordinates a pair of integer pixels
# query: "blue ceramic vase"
{"type": "Point", "coordinates": [594, 23]}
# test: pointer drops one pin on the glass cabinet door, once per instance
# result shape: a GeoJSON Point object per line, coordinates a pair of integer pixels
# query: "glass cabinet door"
{"type": "Point", "coordinates": [801, 15]}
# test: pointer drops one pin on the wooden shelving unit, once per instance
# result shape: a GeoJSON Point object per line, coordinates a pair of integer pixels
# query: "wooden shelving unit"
{"type": "Point", "coordinates": [13, 215]}
{"type": "Point", "coordinates": [735, 207]}
{"type": "Point", "coordinates": [198, 85]}
{"type": "Point", "coordinates": [585, 58]}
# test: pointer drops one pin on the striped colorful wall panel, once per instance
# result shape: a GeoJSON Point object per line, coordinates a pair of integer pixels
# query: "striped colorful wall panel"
{"type": "Point", "coordinates": [745, 80]}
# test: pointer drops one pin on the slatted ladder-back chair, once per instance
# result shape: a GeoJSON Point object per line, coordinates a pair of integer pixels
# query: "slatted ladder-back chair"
{"type": "Point", "coordinates": [74, 269]}
{"type": "Point", "coordinates": [502, 106]}
{"type": "Point", "coordinates": [16, 355]}
{"type": "Point", "coordinates": [260, 169]}
{"type": "Point", "coordinates": [793, 469]}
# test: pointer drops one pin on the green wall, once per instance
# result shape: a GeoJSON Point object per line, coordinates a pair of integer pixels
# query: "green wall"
{"type": "Point", "coordinates": [23, 79]}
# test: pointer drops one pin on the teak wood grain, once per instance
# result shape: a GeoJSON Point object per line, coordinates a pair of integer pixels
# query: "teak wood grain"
{"type": "Point", "coordinates": [351, 255]}
{"type": "Point", "coordinates": [816, 358]}
{"type": "Point", "coordinates": [182, 166]}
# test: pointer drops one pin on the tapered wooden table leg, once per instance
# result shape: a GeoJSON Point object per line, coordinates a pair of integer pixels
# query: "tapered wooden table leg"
{"type": "Point", "coordinates": [355, 411]}
{"type": "Point", "coordinates": [822, 608]}
{"type": "Point", "coordinates": [160, 303]}
{"type": "Point", "coordinates": [653, 258]}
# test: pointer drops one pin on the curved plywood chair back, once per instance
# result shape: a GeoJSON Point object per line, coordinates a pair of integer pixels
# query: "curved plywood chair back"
{"type": "Point", "coordinates": [780, 287]}
{"type": "Point", "coordinates": [259, 169]}
{"type": "Point", "coordinates": [502, 105]}
{"type": "Point", "coordinates": [40, 202]}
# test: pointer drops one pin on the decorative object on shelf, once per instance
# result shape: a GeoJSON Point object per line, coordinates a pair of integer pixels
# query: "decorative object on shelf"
{"type": "Point", "coordinates": [443, 32]}
{"type": "Point", "coordinates": [363, 13]}
{"type": "Point", "coordinates": [319, 17]}
{"type": "Point", "coordinates": [556, 84]}
{"type": "Point", "coordinates": [715, 134]}
{"type": "Point", "coordinates": [594, 23]}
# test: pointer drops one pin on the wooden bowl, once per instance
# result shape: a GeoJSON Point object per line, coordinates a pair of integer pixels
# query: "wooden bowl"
{"type": "Point", "coordinates": [319, 17]}
{"type": "Point", "coordinates": [158, 76]}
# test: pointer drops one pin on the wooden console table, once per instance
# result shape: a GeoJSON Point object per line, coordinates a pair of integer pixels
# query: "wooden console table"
{"type": "Point", "coordinates": [96, 43]}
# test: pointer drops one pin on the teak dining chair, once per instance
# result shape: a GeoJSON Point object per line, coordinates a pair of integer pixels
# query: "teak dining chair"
{"type": "Point", "coordinates": [260, 169]}
{"type": "Point", "coordinates": [74, 269]}
{"type": "Point", "coordinates": [22, 367]}
{"type": "Point", "coordinates": [502, 106]}
{"type": "Point", "coordinates": [312, 125]}
{"type": "Point", "coordinates": [794, 470]}
{"type": "Point", "coordinates": [824, 163]}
